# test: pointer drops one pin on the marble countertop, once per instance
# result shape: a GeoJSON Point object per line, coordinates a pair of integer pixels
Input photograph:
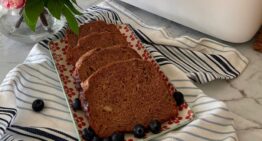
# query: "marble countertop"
{"type": "Point", "coordinates": [242, 95]}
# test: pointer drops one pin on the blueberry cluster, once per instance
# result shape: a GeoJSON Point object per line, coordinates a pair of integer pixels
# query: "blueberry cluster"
{"type": "Point", "coordinates": [89, 135]}
{"type": "Point", "coordinates": [154, 127]}
{"type": "Point", "coordinates": [138, 131]}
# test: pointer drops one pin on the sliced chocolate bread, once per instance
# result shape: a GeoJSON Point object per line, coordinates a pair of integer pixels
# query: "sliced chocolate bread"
{"type": "Point", "coordinates": [124, 94]}
{"type": "Point", "coordinates": [99, 57]}
{"type": "Point", "coordinates": [92, 41]}
{"type": "Point", "coordinates": [85, 29]}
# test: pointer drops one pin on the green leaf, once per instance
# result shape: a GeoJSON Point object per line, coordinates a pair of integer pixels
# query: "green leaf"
{"type": "Point", "coordinates": [69, 4]}
{"type": "Point", "coordinates": [70, 19]}
{"type": "Point", "coordinates": [55, 8]}
{"type": "Point", "coordinates": [30, 24]}
{"type": "Point", "coordinates": [33, 9]}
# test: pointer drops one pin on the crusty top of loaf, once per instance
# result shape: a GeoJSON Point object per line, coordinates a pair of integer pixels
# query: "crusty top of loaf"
{"type": "Point", "coordinates": [87, 28]}
{"type": "Point", "coordinates": [104, 39]}
{"type": "Point", "coordinates": [126, 93]}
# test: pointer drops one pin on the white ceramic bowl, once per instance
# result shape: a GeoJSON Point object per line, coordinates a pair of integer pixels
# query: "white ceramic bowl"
{"type": "Point", "coordinates": [230, 20]}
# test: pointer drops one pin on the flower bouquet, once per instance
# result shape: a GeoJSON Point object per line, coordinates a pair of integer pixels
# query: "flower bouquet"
{"type": "Point", "coordinates": [33, 13]}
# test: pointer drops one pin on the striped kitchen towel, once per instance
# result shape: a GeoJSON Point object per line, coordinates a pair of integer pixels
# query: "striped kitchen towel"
{"type": "Point", "coordinates": [184, 60]}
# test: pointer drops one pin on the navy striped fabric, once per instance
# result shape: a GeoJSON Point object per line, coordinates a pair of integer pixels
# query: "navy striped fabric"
{"type": "Point", "coordinates": [184, 60]}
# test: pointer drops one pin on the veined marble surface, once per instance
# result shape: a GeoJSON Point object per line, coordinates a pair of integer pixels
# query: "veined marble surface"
{"type": "Point", "coordinates": [12, 53]}
{"type": "Point", "coordinates": [242, 95]}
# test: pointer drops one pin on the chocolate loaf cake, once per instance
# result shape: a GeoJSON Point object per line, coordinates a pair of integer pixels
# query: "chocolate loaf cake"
{"type": "Point", "coordinates": [85, 29]}
{"type": "Point", "coordinates": [92, 41]}
{"type": "Point", "coordinates": [99, 57]}
{"type": "Point", "coordinates": [126, 93]}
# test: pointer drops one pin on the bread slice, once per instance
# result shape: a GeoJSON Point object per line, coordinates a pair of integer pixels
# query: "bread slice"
{"type": "Point", "coordinates": [126, 93]}
{"type": "Point", "coordinates": [99, 57]}
{"type": "Point", "coordinates": [92, 41]}
{"type": "Point", "coordinates": [85, 29]}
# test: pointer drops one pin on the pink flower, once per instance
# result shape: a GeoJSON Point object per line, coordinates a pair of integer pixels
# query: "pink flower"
{"type": "Point", "coordinates": [11, 4]}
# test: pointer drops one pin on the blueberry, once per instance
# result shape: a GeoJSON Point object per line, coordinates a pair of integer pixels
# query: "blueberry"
{"type": "Point", "coordinates": [118, 137]}
{"type": "Point", "coordinates": [179, 97]}
{"type": "Point", "coordinates": [96, 138]}
{"type": "Point", "coordinates": [88, 134]}
{"type": "Point", "coordinates": [155, 126]}
{"type": "Point", "coordinates": [38, 105]}
{"type": "Point", "coordinates": [77, 104]}
{"type": "Point", "coordinates": [107, 139]}
{"type": "Point", "coordinates": [139, 131]}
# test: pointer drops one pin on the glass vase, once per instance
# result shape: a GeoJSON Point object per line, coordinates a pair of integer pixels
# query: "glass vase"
{"type": "Point", "coordinates": [13, 26]}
